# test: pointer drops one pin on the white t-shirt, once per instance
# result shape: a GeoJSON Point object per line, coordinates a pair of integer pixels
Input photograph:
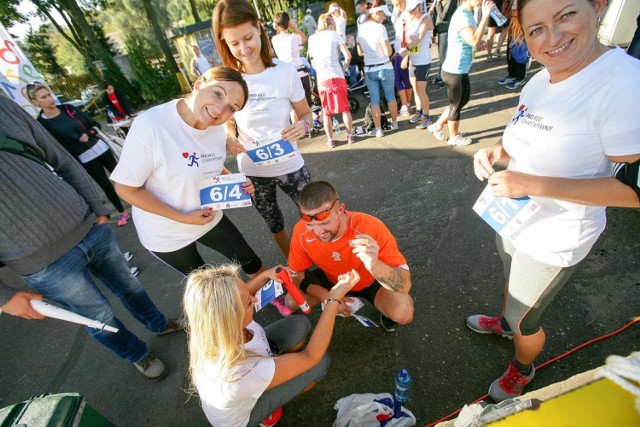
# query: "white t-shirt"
{"type": "Point", "coordinates": [229, 395]}
{"type": "Point", "coordinates": [310, 24]}
{"type": "Point", "coordinates": [169, 159]}
{"type": "Point", "coordinates": [287, 47]}
{"type": "Point", "coordinates": [421, 53]}
{"type": "Point", "coordinates": [341, 27]}
{"type": "Point", "coordinates": [202, 64]}
{"type": "Point", "coordinates": [565, 130]}
{"type": "Point", "coordinates": [268, 111]}
{"type": "Point", "coordinates": [371, 35]}
{"type": "Point", "coordinates": [324, 49]}
{"type": "Point", "coordinates": [399, 21]}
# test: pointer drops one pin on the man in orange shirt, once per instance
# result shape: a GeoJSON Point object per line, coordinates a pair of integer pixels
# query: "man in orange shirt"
{"type": "Point", "coordinates": [336, 241]}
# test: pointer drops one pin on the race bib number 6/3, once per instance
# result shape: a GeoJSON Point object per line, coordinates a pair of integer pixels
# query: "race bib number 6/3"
{"type": "Point", "coordinates": [224, 192]}
{"type": "Point", "coordinates": [270, 150]}
{"type": "Point", "coordinates": [506, 216]}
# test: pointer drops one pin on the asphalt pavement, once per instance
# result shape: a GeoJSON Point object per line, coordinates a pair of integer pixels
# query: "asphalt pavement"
{"type": "Point", "coordinates": [423, 190]}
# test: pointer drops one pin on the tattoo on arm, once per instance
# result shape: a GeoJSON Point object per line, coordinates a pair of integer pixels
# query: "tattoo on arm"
{"type": "Point", "coordinates": [394, 281]}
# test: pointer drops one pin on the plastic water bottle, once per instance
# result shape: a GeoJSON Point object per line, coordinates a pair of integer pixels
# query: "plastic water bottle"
{"type": "Point", "coordinates": [497, 16]}
{"type": "Point", "coordinates": [403, 385]}
{"type": "Point", "coordinates": [112, 116]}
{"type": "Point", "coordinates": [336, 126]}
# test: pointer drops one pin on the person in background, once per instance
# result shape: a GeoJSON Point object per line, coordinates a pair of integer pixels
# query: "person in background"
{"type": "Point", "coordinates": [200, 62]}
{"type": "Point", "coordinates": [442, 12]}
{"type": "Point", "coordinates": [309, 23]}
{"type": "Point", "coordinates": [464, 36]}
{"type": "Point", "coordinates": [559, 147]}
{"type": "Point", "coordinates": [356, 66]}
{"type": "Point", "coordinates": [275, 91]}
{"type": "Point", "coordinates": [340, 20]}
{"type": "Point", "coordinates": [493, 28]}
{"type": "Point", "coordinates": [242, 372]}
{"type": "Point", "coordinates": [61, 245]}
{"type": "Point", "coordinates": [170, 150]}
{"type": "Point", "coordinates": [401, 78]}
{"type": "Point", "coordinates": [373, 44]}
{"type": "Point", "coordinates": [116, 103]}
{"type": "Point", "coordinates": [361, 12]}
{"type": "Point", "coordinates": [74, 131]}
{"type": "Point", "coordinates": [324, 47]}
{"type": "Point", "coordinates": [287, 47]}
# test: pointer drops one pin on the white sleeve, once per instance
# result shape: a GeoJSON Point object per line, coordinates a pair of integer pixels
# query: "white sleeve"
{"type": "Point", "coordinates": [619, 125]}
{"type": "Point", "coordinates": [136, 162]}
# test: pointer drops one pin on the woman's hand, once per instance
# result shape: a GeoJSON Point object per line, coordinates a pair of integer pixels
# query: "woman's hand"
{"type": "Point", "coordinates": [248, 187]}
{"type": "Point", "coordinates": [234, 146]}
{"type": "Point", "coordinates": [487, 5]}
{"type": "Point", "coordinates": [201, 217]}
{"type": "Point", "coordinates": [484, 160]}
{"type": "Point", "coordinates": [405, 63]}
{"type": "Point", "coordinates": [294, 132]}
{"type": "Point", "coordinates": [511, 184]}
{"type": "Point", "coordinates": [346, 282]}
{"type": "Point", "coordinates": [84, 138]}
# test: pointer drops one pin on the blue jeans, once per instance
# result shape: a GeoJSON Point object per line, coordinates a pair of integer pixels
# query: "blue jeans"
{"type": "Point", "coordinates": [380, 81]}
{"type": "Point", "coordinates": [67, 282]}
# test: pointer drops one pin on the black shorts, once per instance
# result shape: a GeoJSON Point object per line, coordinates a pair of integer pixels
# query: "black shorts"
{"type": "Point", "coordinates": [368, 293]}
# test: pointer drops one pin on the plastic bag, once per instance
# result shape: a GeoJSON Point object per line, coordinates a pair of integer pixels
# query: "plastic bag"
{"type": "Point", "coordinates": [372, 410]}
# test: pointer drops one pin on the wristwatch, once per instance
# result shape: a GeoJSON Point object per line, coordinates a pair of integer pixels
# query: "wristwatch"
{"type": "Point", "coordinates": [328, 300]}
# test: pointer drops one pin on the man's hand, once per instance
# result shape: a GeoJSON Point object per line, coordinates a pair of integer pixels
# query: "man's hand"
{"type": "Point", "coordinates": [102, 219]}
{"type": "Point", "coordinates": [20, 306]}
{"type": "Point", "coordinates": [366, 249]}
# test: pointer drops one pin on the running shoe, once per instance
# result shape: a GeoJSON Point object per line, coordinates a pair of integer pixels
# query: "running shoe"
{"type": "Point", "coordinates": [513, 85]}
{"type": "Point", "coordinates": [506, 80]}
{"type": "Point", "coordinates": [425, 122]}
{"type": "Point", "coordinates": [417, 118]}
{"type": "Point", "coordinates": [123, 218]}
{"type": "Point", "coordinates": [134, 271]}
{"type": "Point", "coordinates": [488, 325]}
{"type": "Point", "coordinates": [377, 133]}
{"type": "Point", "coordinates": [128, 256]}
{"type": "Point", "coordinates": [351, 138]}
{"type": "Point", "coordinates": [436, 131]}
{"type": "Point", "coordinates": [281, 305]}
{"type": "Point", "coordinates": [458, 140]}
{"type": "Point", "coordinates": [394, 126]}
{"type": "Point", "coordinates": [404, 111]}
{"type": "Point", "coordinates": [330, 143]}
{"type": "Point", "coordinates": [511, 383]}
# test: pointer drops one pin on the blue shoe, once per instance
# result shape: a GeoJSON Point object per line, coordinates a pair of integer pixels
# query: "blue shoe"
{"type": "Point", "coordinates": [506, 80]}
{"type": "Point", "coordinates": [426, 121]}
{"type": "Point", "coordinates": [515, 84]}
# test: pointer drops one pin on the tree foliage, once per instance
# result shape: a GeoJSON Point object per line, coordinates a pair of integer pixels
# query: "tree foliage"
{"type": "Point", "coordinates": [42, 53]}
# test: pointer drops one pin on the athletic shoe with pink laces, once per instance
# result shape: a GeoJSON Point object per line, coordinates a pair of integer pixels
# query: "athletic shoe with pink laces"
{"type": "Point", "coordinates": [282, 307]}
{"type": "Point", "coordinates": [511, 383]}
{"type": "Point", "coordinates": [123, 218]}
{"type": "Point", "coordinates": [488, 325]}
{"type": "Point", "coordinates": [272, 419]}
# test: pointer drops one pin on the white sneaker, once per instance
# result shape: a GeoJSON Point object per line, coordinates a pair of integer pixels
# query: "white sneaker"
{"type": "Point", "coordinates": [436, 131]}
{"type": "Point", "coordinates": [394, 126]}
{"type": "Point", "coordinates": [458, 140]}
{"type": "Point", "coordinates": [377, 133]}
{"type": "Point", "coordinates": [128, 256]}
{"type": "Point", "coordinates": [404, 111]}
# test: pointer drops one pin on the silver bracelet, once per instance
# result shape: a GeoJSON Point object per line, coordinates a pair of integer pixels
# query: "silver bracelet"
{"type": "Point", "coordinates": [328, 300]}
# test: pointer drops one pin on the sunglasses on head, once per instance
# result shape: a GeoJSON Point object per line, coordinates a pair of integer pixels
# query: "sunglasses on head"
{"type": "Point", "coordinates": [32, 86]}
{"type": "Point", "coordinates": [320, 216]}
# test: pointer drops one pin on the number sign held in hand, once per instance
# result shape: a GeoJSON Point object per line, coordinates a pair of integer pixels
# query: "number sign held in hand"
{"type": "Point", "coordinates": [224, 192]}
{"type": "Point", "coordinates": [503, 214]}
{"type": "Point", "coordinates": [270, 150]}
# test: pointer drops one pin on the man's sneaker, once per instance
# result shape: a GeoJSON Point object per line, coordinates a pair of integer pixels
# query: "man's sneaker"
{"type": "Point", "coordinates": [511, 383]}
{"type": "Point", "coordinates": [282, 307]}
{"type": "Point", "coordinates": [272, 419]}
{"type": "Point", "coordinates": [152, 368]}
{"type": "Point", "coordinates": [387, 324]}
{"type": "Point", "coordinates": [514, 84]}
{"type": "Point", "coordinates": [123, 218]}
{"type": "Point", "coordinates": [128, 256]}
{"type": "Point", "coordinates": [135, 271]}
{"type": "Point", "coordinates": [377, 133]}
{"type": "Point", "coordinates": [351, 138]}
{"type": "Point", "coordinates": [458, 140]}
{"type": "Point", "coordinates": [488, 325]}
{"type": "Point", "coordinates": [394, 126]}
{"type": "Point", "coordinates": [173, 325]}
{"type": "Point", "coordinates": [436, 131]}
{"type": "Point", "coordinates": [417, 118]}
{"type": "Point", "coordinates": [425, 122]}
{"type": "Point", "coordinates": [505, 80]}
{"type": "Point", "coordinates": [404, 111]}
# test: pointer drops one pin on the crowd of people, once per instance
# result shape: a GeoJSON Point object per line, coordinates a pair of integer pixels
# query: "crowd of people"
{"type": "Point", "coordinates": [243, 372]}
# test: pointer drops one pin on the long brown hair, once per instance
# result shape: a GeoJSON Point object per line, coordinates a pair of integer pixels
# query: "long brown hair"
{"type": "Point", "coordinates": [226, 74]}
{"type": "Point", "coordinates": [229, 14]}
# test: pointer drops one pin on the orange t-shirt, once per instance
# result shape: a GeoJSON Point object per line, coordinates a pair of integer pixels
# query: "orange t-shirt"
{"type": "Point", "coordinates": [337, 257]}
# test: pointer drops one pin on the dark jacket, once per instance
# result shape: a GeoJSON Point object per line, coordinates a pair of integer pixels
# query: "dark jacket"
{"type": "Point", "coordinates": [124, 103]}
{"type": "Point", "coordinates": [442, 13]}
{"type": "Point", "coordinates": [68, 126]}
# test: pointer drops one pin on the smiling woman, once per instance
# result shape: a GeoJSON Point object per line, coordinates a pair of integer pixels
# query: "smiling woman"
{"type": "Point", "coordinates": [169, 150]}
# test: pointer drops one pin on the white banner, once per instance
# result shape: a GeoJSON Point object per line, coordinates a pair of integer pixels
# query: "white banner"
{"type": "Point", "coordinates": [16, 72]}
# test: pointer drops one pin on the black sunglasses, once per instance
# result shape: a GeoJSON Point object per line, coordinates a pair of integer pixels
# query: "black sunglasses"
{"type": "Point", "coordinates": [34, 85]}
{"type": "Point", "coordinates": [320, 216]}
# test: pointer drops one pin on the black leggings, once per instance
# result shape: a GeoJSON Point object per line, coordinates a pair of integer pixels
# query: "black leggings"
{"type": "Point", "coordinates": [515, 69]}
{"type": "Point", "coordinates": [223, 238]}
{"type": "Point", "coordinates": [459, 91]}
{"type": "Point", "coordinates": [96, 168]}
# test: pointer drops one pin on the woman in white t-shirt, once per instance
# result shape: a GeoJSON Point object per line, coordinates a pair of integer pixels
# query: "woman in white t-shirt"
{"type": "Point", "coordinates": [274, 90]}
{"type": "Point", "coordinates": [240, 370]}
{"type": "Point", "coordinates": [169, 151]}
{"type": "Point", "coordinates": [560, 146]}
{"type": "Point", "coordinates": [287, 48]}
{"type": "Point", "coordinates": [373, 44]}
{"type": "Point", "coordinates": [324, 48]}
{"type": "Point", "coordinates": [340, 20]}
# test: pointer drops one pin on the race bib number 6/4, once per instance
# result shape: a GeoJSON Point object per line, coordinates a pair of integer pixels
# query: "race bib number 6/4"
{"type": "Point", "coordinates": [270, 150]}
{"type": "Point", "coordinates": [224, 192]}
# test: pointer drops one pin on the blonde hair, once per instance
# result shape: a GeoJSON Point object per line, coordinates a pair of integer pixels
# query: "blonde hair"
{"type": "Point", "coordinates": [215, 313]}
{"type": "Point", "coordinates": [324, 21]}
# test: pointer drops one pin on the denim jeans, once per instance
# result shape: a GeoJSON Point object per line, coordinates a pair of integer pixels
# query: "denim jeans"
{"type": "Point", "coordinates": [68, 283]}
{"type": "Point", "coordinates": [381, 81]}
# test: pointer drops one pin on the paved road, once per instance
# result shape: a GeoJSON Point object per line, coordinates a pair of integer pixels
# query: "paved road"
{"type": "Point", "coordinates": [424, 191]}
